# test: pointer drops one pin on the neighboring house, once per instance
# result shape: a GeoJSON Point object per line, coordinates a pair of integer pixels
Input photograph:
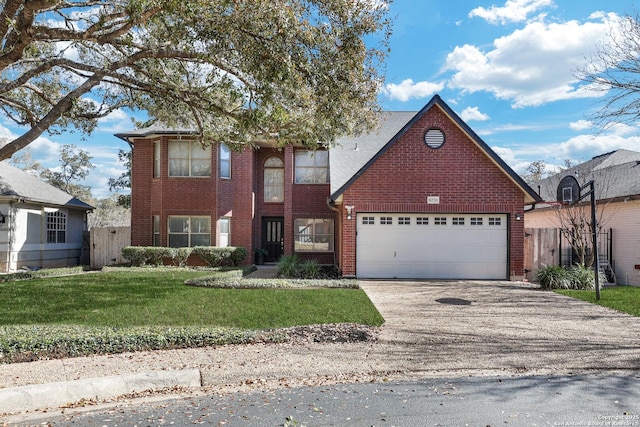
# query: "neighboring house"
{"type": "Point", "coordinates": [40, 225]}
{"type": "Point", "coordinates": [421, 197]}
{"type": "Point", "coordinates": [616, 177]}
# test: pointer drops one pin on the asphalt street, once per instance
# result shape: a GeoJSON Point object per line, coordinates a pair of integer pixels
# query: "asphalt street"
{"type": "Point", "coordinates": [581, 400]}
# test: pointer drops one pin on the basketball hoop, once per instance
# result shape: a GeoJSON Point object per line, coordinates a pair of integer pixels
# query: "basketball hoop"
{"type": "Point", "coordinates": [568, 191]}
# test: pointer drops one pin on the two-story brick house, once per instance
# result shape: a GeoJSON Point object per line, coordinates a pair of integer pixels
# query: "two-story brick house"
{"type": "Point", "coordinates": [421, 197]}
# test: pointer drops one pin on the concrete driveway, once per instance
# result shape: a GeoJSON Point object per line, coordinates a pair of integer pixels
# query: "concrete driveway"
{"type": "Point", "coordinates": [487, 327]}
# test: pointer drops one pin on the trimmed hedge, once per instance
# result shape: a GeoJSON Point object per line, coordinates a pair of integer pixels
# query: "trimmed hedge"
{"type": "Point", "coordinates": [213, 256]}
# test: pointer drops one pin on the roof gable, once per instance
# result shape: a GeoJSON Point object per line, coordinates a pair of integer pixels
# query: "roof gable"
{"type": "Point", "coordinates": [391, 124]}
{"type": "Point", "coordinates": [616, 174]}
{"type": "Point", "coordinates": [17, 184]}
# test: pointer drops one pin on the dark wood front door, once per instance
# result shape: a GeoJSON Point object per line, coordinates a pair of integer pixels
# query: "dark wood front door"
{"type": "Point", "coordinates": [273, 238]}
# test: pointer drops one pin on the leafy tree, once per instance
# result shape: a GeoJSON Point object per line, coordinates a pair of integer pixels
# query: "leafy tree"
{"type": "Point", "coordinates": [75, 165]}
{"type": "Point", "coordinates": [535, 172]}
{"type": "Point", "coordinates": [25, 161]}
{"type": "Point", "coordinates": [109, 213]}
{"type": "Point", "coordinates": [238, 71]}
{"type": "Point", "coordinates": [123, 182]}
{"type": "Point", "coordinates": [614, 70]}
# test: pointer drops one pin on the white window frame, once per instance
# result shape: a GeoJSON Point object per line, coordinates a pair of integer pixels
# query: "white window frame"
{"type": "Point", "coordinates": [156, 230]}
{"type": "Point", "coordinates": [224, 231]}
{"type": "Point", "coordinates": [224, 159]}
{"type": "Point", "coordinates": [267, 186]}
{"type": "Point", "coordinates": [189, 158]}
{"type": "Point", "coordinates": [56, 225]}
{"type": "Point", "coordinates": [157, 150]}
{"type": "Point", "coordinates": [188, 230]}
{"type": "Point", "coordinates": [311, 167]}
{"type": "Point", "coordinates": [307, 237]}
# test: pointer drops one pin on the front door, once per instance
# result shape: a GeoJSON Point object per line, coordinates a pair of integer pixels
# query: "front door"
{"type": "Point", "coordinates": [273, 238]}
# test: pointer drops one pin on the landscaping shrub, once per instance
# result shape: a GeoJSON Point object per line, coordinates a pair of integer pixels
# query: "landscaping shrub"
{"type": "Point", "coordinates": [213, 256]}
{"type": "Point", "coordinates": [310, 269]}
{"type": "Point", "coordinates": [45, 272]}
{"type": "Point", "coordinates": [145, 255]}
{"type": "Point", "coordinates": [216, 256]}
{"type": "Point", "coordinates": [576, 277]}
{"type": "Point", "coordinates": [23, 343]}
{"type": "Point", "coordinates": [179, 256]}
{"type": "Point", "coordinates": [288, 266]}
{"type": "Point", "coordinates": [236, 281]}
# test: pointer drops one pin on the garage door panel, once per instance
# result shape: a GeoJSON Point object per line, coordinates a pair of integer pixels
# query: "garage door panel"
{"type": "Point", "coordinates": [475, 247]}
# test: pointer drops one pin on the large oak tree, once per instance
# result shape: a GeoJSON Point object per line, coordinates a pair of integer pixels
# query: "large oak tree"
{"type": "Point", "coordinates": [238, 71]}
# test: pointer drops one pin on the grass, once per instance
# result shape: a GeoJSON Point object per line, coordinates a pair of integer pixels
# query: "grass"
{"type": "Point", "coordinates": [160, 298]}
{"type": "Point", "coordinates": [625, 299]}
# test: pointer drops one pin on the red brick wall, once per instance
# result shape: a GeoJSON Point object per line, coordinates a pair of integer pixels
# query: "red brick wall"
{"type": "Point", "coordinates": [464, 178]}
{"type": "Point", "coordinates": [210, 196]}
{"type": "Point", "coordinates": [241, 198]}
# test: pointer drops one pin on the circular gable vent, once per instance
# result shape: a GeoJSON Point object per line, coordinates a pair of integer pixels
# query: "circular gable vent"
{"type": "Point", "coordinates": [434, 138]}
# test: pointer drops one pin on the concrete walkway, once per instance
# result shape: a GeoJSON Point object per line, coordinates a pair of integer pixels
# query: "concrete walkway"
{"type": "Point", "coordinates": [432, 329]}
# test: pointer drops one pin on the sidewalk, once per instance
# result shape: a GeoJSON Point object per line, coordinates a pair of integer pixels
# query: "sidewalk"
{"type": "Point", "coordinates": [503, 328]}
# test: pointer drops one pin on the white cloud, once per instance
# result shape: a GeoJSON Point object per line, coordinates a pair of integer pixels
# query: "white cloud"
{"type": "Point", "coordinates": [116, 121]}
{"type": "Point", "coordinates": [578, 149]}
{"type": "Point", "coordinates": [512, 11]}
{"type": "Point", "coordinates": [533, 65]}
{"type": "Point", "coordinates": [473, 113]}
{"type": "Point", "coordinates": [580, 125]}
{"type": "Point", "coordinates": [409, 90]}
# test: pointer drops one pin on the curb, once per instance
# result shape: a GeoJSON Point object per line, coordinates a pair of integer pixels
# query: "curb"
{"type": "Point", "coordinates": [41, 396]}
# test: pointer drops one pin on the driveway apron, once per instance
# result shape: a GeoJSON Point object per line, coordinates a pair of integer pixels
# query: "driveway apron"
{"type": "Point", "coordinates": [487, 327]}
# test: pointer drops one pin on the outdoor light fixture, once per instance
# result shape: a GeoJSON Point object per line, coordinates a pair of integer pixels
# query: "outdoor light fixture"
{"type": "Point", "coordinates": [518, 217]}
{"type": "Point", "coordinates": [349, 209]}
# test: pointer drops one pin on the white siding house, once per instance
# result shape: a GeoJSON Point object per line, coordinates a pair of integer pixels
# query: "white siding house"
{"type": "Point", "coordinates": [40, 225]}
{"type": "Point", "coordinates": [616, 176]}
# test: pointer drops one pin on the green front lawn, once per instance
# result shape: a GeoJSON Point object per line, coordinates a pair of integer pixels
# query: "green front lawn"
{"type": "Point", "coordinates": [622, 298]}
{"type": "Point", "coordinates": [133, 310]}
{"type": "Point", "coordinates": [153, 298]}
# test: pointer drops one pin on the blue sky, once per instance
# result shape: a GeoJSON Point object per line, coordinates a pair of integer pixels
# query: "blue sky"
{"type": "Point", "coordinates": [506, 67]}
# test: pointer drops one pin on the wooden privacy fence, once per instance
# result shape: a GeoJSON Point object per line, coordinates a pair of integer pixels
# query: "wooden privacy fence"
{"type": "Point", "coordinates": [107, 244]}
{"type": "Point", "coordinates": [541, 247]}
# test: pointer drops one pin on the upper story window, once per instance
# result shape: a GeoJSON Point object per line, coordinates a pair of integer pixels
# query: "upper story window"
{"type": "Point", "coordinates": [312, 167]}
{"type": "Point", "coordinates": [56, 227]}
{"type": "Point", "coordinates": [274, 180]}
{"type": "Point", "coordinates": [225, 161]}
{"type": "Point", "coordinates": [189, 158]}
{"type": "Point", "coordinates": [156, 159]}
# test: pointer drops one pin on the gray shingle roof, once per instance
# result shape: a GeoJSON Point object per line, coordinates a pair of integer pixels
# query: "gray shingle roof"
{"type": "Point", "coordinates": [17, 184]}
{"type": "Point", "coordinates": [350, 155]}
{"type": "Point", "coordinates": [348, 164]}
{"type": "Point", "coordinates": [615, 174]}
{"type": "Point", "coordinates": [156, 128]}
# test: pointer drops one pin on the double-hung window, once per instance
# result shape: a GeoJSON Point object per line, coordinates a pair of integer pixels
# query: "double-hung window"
{"type": "Point", "coordinates": [188, 231]}
{"type": "Point", "coordinates": [56, 227]}
{"type": "Point", "coordinates": [313, 235]}
{"type": "Point", "coordinates": [312, 167]}
{"type": "Point", "coordinates": [189, 158]}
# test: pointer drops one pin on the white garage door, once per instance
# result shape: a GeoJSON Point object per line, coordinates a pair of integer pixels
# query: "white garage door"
{"type": "Point", "coordinates": [431, 246]}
